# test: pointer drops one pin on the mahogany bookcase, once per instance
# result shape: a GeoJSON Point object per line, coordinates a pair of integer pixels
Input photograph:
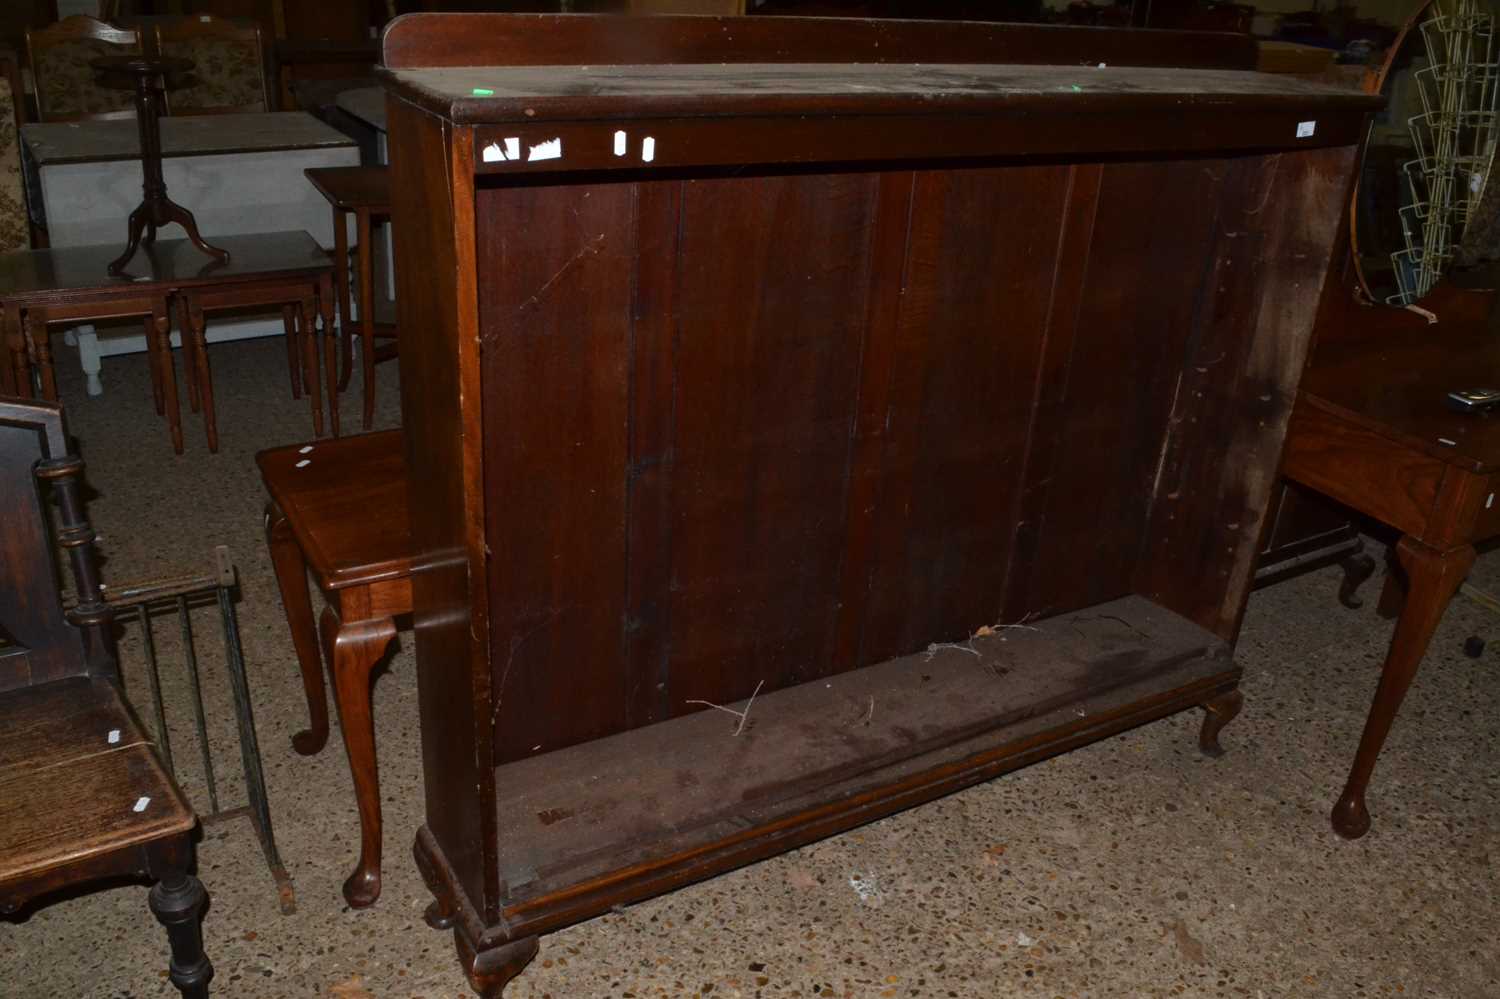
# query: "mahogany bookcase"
{"type": "Point", "coordinates": [812, 418]}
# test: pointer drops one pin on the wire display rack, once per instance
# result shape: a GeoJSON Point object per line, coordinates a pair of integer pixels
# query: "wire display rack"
{"type": "Point", "coordinates": [1454, 136]}
{"type": "Point", "coordinates": [137, 605]}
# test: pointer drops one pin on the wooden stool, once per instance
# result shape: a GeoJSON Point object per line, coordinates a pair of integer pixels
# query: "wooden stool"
{"type": "Point", "coordinates": [340, 508]}
{"type": "Point", "coordinates": [285, 269]}
{"type": "Point", "coordinates": [364, 192]}
{"type": "Point", "coordinates": [71, 285]}
{"type": "Point", "coordinates": [151, 306]}
{"type": "Point", "coordinates": [83, 796]}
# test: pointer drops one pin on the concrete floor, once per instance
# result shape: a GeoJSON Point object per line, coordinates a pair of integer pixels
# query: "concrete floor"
{"type": "Point", "coordinates": [1134, 867]}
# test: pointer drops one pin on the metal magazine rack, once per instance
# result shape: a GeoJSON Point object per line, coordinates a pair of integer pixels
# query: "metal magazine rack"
{"type": "Point", "coordinates": [137, 605]}
{"type": "Point", "coordinates": [1454, 136]}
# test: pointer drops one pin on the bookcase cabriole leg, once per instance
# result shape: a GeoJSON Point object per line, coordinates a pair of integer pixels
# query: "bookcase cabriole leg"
{"type": "Point", "coordinates": [488, 968]}
{"type": "Point", "coordinates": [1220, 712]}
{"type": "Point", "coordinates": [489, 971]}
{"type": "Point", "coordinates": [443, 909]}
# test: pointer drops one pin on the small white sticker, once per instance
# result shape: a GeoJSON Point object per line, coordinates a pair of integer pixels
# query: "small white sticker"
{"type": "Point", "coordinates": [492, 153]}
{"type": "Point", "coordinates": [1444, 440]}
{"type": "Point", "coordinates": [303, 463]}
{"type": "Point", "coordinates": [1489, 502]}
{"type": "Point", "coordinates": [305, 449]}
{"type": "Point", "coordinates": [1305, 129]}
{"type": "Point", "coordinates": [141, 803]}
{"type": "Point", "coordinates": [622, 143]}
{"type": "Point", "coordinates": [648, 149]}
{"type": "Point", "coordinates": [549, 150]}
{"type": "Point", "coordinates": [114, 736]}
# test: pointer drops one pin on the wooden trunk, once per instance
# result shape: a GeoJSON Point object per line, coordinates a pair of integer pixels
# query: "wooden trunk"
{"type": "Point", "coordinates": [926, 382]}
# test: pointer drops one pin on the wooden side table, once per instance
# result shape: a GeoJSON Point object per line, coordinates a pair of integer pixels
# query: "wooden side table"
{"type": "Point", "coordinates": [1371, 430]}
{"type": "Point", "coordinates": [364, 192]}
{"type": "Point", "coordinates": [304, 300]}
{"type": "Point", "coordinates": [340, 508]}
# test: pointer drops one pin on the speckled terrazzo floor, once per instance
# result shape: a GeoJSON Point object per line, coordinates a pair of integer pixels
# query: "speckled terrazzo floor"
{"type": "Point", "coordinates": [1134, 867]}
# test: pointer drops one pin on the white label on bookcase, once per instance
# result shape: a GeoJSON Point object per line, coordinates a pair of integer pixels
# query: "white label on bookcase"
{"type": "Point", "coordinates": [549, 150]}
{"type": "Point", "coordinates": [1305, 129]}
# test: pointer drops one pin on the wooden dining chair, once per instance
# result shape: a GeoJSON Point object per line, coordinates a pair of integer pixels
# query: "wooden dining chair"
{"type": "Point", "coordinates": [67, 86]}
{"type": "Point", "coordinates": [229, 70]}
{"type": "Point", "coordinates": [83, 795]}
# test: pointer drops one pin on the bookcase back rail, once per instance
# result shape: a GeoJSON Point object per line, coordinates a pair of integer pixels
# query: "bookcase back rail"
{"type": "Point", "coordinates": [439, 40]}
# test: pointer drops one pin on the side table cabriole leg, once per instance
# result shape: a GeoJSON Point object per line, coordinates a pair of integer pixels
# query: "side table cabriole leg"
{"type": "Point", "coordinates": [291, 580]}
{"type": "Point", "coordinates": [1433, 577]}
{"type": "Point", "coordinates": [354, 646]}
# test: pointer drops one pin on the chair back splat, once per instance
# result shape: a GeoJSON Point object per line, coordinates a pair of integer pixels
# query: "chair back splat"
{"type": "Point", "coordinates": [42, 641]}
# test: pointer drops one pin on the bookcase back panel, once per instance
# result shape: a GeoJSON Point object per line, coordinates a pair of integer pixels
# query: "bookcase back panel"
{"type": "Point", "coordinates": [745, 431]}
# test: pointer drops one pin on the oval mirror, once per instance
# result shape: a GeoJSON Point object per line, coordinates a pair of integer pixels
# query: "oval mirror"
{"type": "Point", "coordinates": [1423, 205]}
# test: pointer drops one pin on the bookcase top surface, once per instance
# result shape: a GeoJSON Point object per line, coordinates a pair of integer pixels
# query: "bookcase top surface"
{"type": "Point", "coordinates": [534, 94]}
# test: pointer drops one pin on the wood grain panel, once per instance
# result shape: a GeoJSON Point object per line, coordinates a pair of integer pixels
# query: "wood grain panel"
{"type": "Point", "coordinates": [555, 299]}
{"type": "Point", "coordinates": [969, 342]}
{"type": "Point", "coordinates": [878, 362]}
{"type": "Point", "coordinates": [1042, 452]}
{"type": "Point", "coordinates": [1150, 254]}
{"type": "Point", "coordinates": [774, 278]}
{"type": "Point", "coordinates": [1276, 222]}
{"type": "Point", "coordinates": [1361, 469]}
{"type": "Point", "coordinates": [653, 412]}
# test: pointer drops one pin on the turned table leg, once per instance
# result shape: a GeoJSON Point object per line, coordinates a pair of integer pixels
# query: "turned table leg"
{"type": "Point", "coordinates": [354, 645]}
{"type": "Point", "coordinates": [341, 284]}
{"type": "Point", "coordinates": [330, 362]}
{"type": "Point", "coordinates": [163, 329]}
{"type": "Point", "coordinates": [41, 350]}
{"type": "Point", "coordinates": [177, 901]}
{"type": "Point", "coordinates": [1432, 578]}
{"type": "Point", "coordinates": [291, 580]}
{"type": "Point", "coordinates": [293, 348]}
{"type": "Point", "coordinates": [366, 316]}
{"type": "Point", "coordinates": [307, 311]}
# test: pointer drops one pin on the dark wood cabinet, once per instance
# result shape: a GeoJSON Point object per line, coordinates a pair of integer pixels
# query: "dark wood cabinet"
{"type": "Point", "coordinates": [811, 419]}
